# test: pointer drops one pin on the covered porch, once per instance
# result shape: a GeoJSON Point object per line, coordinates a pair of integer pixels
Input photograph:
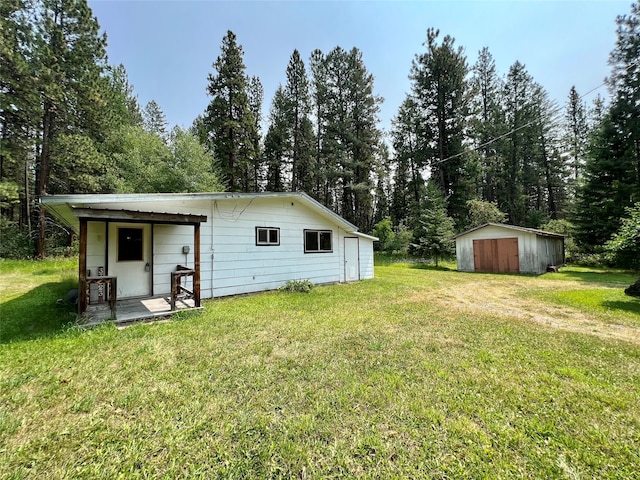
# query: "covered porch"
{"type": "Point", "coordinates": [108, 293]}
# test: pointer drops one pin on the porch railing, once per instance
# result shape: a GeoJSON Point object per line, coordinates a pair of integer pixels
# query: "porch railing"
{"type": "Point", "coordinates": [109, 283]}
{"type": "Point", "coordinates": [178, 290]}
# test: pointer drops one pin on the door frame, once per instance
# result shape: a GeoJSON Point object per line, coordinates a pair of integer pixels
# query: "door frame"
{"type": "Point", "coordinates": [119, 268]}
{"type": "Point", "coordinates": [346, 261]}
{"type": "Point", "coordinates": [503, 258]}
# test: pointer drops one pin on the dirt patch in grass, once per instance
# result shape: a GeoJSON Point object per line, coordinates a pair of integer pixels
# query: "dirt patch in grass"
{"type": "Point", "coordinates": [510, 299]}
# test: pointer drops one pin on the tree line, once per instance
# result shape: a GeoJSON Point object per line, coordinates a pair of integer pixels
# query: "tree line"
{"type": "Point", "coordinates": [468, 144]}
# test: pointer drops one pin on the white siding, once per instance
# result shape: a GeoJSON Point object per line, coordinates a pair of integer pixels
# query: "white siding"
{"type": "Point", "coordinates": [96, 237]}
{"type": "Point", "coordinates": [240, 266]}
{"type": "Point", "coordinates": [230, 260]}
{"type": "Point", "coordinates": [366, 258]}
{"type": "Point", "coordinates": [168, 241]}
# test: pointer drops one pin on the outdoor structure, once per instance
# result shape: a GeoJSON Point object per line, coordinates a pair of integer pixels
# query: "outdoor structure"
{"type": "Point", "coordinates": [499, 248]}
{"type": "Point", "coordinates": [144, 255]}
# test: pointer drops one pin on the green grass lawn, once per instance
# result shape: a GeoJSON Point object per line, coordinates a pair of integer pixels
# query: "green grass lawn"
{"type": "Point", "coordinates": [386, 378]}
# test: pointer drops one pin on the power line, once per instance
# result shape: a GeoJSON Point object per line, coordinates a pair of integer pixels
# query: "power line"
{"type": "Point", "coordinates": [551, 115]}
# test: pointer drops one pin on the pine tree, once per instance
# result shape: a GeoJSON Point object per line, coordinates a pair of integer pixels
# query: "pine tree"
{"type": "Point", "coordinates": [441, 90]}
{"type": "Point", "coordinates": [121, 103]}
{"type": "Point", "coordinates": [319, 93]}
{"type": "Point", "coordinates": [409, 163]}
{"type": "Point", "coordinates": [296, 91]}
{"type": "Point", "coordinates": [256, 97]}
{"type": "Point", "coordinates": [612, 170]}
{"type": "Point", "coordinates": [576, 132]}
{"type": "Point", "coordinates": [549, 197]}
{"type": "Point", "coordinates": [19, 111]}
{"type": "Point", "coordinates": [345, 109]}
{"type": "Point", "coordinates": [432, 236]}
{"type": "Point", "coordinates": [364, 138]}
{"type": "Point", "coordinates": [517, 173]}
{"type": "Point", "coordinates": [487, 123]}
{"type": "Point", "coordinates": [59, 103]}
{"type": "Point", "coordinates": [229, 120]}
{"type": "Point", "coordinates": [154, 120]}
{"type": "Point", "coordinates": [70, 56]}
{"type": "Point", "coordinates": [276, 144]}
{"type": "Point", "coordinates": [382, 195]}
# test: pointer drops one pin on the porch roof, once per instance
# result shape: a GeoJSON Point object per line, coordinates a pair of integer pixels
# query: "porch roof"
{"type": "Point", "coordinates": [135, 216]}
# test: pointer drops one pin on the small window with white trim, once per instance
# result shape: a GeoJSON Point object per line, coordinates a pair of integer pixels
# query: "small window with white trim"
{"type": "Point", "coordinates": [318, 241]}
{"type": "Point", "coordinates": [267, 236]}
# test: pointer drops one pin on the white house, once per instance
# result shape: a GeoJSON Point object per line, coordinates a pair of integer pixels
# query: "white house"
{"type": "Point", "coordinates": [145, 245]}
{"type": "Point", "coordinates": [499, 248]}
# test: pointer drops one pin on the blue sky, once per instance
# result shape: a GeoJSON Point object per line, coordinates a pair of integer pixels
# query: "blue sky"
{"type": "Point", "coordinates": [168, 47]}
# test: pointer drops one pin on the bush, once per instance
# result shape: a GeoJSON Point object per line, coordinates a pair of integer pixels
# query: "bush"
{"type": "Point", "coordinates": [571, 251]}
{"type": "Point", "coordinates": [588, 260]}
{"type": "Point", "coordinates": [623, 250]}
{"type": "Point", "coordinates": [391, 239]}
{"type": "Point", "coordinates": [297, 286]}
{"type": "Point", "coordinates": [14, 243]}
{"type": "Point", "coordinates": [480, 212]}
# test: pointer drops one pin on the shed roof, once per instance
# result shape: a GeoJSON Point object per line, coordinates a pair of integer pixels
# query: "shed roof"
{"type": "Point", "coordinates": [535, 231]}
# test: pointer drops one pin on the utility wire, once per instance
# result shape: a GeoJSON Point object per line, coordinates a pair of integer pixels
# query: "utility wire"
{"type": "Point", "coordinates": [551, 115]}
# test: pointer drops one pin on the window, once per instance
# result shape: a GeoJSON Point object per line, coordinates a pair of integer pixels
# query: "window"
{"type": "Point", "coordinates": [267, 236]}
{"type": "Point", "coordinates": [316, 241]}
{"type": "Point", "coordinates": [129, 244]}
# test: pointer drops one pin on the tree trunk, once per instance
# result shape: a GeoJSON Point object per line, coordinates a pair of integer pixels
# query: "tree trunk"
{"type": "Point", "coordinates": [43, 168]}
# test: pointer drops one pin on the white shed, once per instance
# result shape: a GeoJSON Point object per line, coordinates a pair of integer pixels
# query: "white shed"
{"type": "Point", "coordinates": [225, 243]}
{"type": "Point", "coordinates": [500, 248]}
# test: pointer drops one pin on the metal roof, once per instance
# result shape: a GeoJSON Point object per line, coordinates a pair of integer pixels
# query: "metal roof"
{"type": "Point", "coordinates": [541, 233]}
{"type": "Point", "coordinates": [61, 206]}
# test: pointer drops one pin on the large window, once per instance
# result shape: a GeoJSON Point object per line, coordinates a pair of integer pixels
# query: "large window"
{"type": "Point", "coordinates": [267, 236]}
{"type": "Point", "coordinates": [316, 241]}
{"type": "Point", "coordinates": [129, 244]}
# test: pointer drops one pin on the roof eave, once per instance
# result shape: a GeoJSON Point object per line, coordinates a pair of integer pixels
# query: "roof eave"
{"type": "Point", "coordinates": [62, 205]}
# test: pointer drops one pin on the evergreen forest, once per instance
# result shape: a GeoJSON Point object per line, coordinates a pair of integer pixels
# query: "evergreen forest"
{"type": "Point", "coordinates": [468, 145]}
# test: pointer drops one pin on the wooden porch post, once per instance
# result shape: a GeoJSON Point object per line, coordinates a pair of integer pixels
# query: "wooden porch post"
{"type": "Point", "coordinates": [82, 269]}
{"type": "Point", "coordinates": [196, 262]}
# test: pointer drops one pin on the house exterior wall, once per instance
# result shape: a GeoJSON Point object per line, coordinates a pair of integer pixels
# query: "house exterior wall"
{"type": "Point", "coordinates": [535, 252]}
{"type": "Point", "coordinates": [366, 258]}
{"type": "Point", "coordinates": [96, 237]}
{"type": "Point", "coordinates": [241, 266]}
{"type": "Point", "coordinates": [168, 241]}
{"type": "Point", "coordinates": [230, 261]}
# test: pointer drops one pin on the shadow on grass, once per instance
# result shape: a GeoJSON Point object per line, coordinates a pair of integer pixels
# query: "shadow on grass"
{"type": "Point", "coordinates": [602, 277]}
{"type": "Point", "coordinates": [431, 266]}
{"type": "Point", "coordinates": [37, 314]}
{"type": "Point", "coordinates": [631, 305]}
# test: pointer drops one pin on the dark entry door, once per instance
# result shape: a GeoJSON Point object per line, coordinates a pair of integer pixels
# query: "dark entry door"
{"type": "Point", "coordinates": [496, 255]}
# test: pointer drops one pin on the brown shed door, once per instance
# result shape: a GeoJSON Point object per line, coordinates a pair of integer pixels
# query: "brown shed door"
{"type": "Point", "coordinates": [496, 255]}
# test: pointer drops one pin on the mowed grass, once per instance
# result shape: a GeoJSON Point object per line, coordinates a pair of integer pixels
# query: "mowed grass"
{"type": "Point", "coordinates": [29, 291]}
{"type": "Point", "coordinates": [365, 380]}
{"type": "Point", "coordinates": [600, 290]}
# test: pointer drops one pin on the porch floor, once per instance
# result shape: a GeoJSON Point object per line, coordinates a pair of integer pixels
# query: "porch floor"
{"type": "Point", "coordinates": [131, 310]}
